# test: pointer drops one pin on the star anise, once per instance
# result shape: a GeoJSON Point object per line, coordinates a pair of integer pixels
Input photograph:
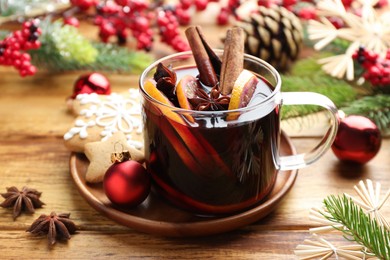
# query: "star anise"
{"type": "Point", "coordinates": [165, 82]}
{"type": "Point", "coordinates": [57, 227]}
{"type": "Point", "coordinates": [27, 199]}
{"type": "Point", "coordinates": [209, 102]}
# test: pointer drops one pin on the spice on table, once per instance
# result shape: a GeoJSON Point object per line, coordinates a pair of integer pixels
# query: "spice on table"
{"type": "Point", "coordinates": [27, 199]}
{"type": "Point", "coordinates": [57, 227]}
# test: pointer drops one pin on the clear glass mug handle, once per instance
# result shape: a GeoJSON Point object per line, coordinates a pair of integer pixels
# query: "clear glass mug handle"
{"type": "Point", "coordinates": [310, 98]}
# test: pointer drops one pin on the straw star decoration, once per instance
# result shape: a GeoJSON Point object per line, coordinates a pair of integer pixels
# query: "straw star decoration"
{"type": "Point", "coordinates": [370, 29]}
{"type": "Point", "coordinates": [318, 247]}
{"type": "Point", "coordinates": [370, 203]}
{"type": "Point", "coordinates": [370, 200]}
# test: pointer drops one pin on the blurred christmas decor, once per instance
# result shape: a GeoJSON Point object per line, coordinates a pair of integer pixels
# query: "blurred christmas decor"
{"type": "Point", "coordinates": [14, 47]}
{"type": "Point", "coordinates": [62, 48]}
{"type": "Point", "coordinates": [367, 28]}
{"type": "Point", "coordinates": [12, 10]}
{"type": "Point", "coordinates": [358, 220]}
{"type": "Point", "coordinates": [353, 37]}
{"type": "Point", "coordinates": [273, 34]}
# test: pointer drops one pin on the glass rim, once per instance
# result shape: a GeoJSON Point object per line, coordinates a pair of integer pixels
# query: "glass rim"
{"type": "Point", "coordinates": [265, 101]}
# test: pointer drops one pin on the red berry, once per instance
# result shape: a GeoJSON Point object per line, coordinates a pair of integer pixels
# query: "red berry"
{"type": "Point", "coordinates": [84, 4]}
{"type": "Point", "coordinates": [289, 3]}
{"type": "Point", "coordinates": [122, 2]}
{"type": "Point", "coordinates": [186, 4]}
{"type": "Point", "coordinates": [223, 17]}
{"type": "Point", "coordinates": [73, 21]}
{"type": "Point", "coordinates": [307, 13]}
{"type": "Point", "coordinates": [142, 23]}
{"type": "Point", "coordinates": [201, 4]}
{"type": "Point", "coordinates": [183, 16]}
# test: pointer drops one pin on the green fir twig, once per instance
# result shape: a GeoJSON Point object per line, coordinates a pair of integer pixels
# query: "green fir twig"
{"type": "Point", "coordinates": [357, 225]}
{"type": "Point", "coordinates": [63, 48]}
{"type": "Point", "coordinates": [377, 108]}
{"type": "Point", "coordinates": [307, 75]}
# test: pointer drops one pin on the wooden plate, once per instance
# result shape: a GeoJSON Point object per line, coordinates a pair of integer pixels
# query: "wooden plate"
{"type": "Point", "coordinates": [157, 216]}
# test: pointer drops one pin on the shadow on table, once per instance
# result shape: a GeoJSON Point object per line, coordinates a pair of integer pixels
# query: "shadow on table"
{"type": "Point", "coordinates": [350, 170]}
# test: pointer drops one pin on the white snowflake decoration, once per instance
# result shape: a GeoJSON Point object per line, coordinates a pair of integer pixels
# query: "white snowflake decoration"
{"type": "Point", "coordinates": [113, 113]}
{"type": "Point", "coordinates": [370, 30]}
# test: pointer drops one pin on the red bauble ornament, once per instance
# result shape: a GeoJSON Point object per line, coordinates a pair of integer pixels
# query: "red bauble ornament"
{"type": "Point", "coordinates": [127, 183]}
{"type": "Point", "coordinates": [358, 139]}
{"type": "Point", "coordinates": [91, 83]}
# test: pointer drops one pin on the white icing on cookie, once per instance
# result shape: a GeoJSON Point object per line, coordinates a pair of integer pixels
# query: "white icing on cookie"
{"type": "Point", "coordinates": [80, 129]}
{"type": "Point", "coordinates": [114, 113]}
{"type": "Point", "coordinates": [88, 98]}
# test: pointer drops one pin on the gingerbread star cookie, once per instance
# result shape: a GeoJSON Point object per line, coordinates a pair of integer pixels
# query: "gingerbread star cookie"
{"type": "Point", "coordinates": [100, 116]}
{"type": "Point", "coordinates": [99, 155]}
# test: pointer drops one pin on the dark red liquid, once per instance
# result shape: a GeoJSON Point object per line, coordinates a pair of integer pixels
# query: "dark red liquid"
{"type": "Point", "coordinates": [214, 166]}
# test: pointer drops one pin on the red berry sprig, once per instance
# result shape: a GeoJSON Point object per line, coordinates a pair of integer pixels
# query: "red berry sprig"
{"type": "Point", "coordinates": [169, 30]}
{"type": "Point", "coordinates": [118, 18]}
{"type": "Point", "coordinates": [377, 69]}
{"type": "Point", "coordinates": [227, 11]}
{"type": "Point", "coordinates": [13, 48]}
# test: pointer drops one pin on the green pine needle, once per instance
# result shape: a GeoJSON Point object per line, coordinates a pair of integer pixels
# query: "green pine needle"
{"type": "Point", "coordinates": [377, 108]}
{"type": "Point", "coordinates": [307, 75]}
{"type": "Point", "coordinates": [3, 34]}
{"type": "Point", "coordinates": [63, 48]}
{"type": "Point", "coordinates": [358, 226]}
{"type": "Point", "coordinates": [120, 59]}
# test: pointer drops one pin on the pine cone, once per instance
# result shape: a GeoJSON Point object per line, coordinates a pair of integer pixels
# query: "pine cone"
{"type": "Point", "coordinates": [273, 34]}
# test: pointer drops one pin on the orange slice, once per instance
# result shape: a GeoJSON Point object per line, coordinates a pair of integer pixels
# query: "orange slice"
{"type": "Point", "coordinates": [243, 90]}
{"type": "Point", "coordinates": [152, 90]}
{"type": "Point", "coordinates": [184, 89]}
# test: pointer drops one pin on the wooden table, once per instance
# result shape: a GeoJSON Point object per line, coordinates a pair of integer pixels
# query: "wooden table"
{"type": "Point", "coordinates": [33, 119]}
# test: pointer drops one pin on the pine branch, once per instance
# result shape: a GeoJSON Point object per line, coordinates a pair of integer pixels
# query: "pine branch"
{"type": "Point", "coordinates": [63, 48]}
{"type": "Point", "coordinates": [3, 34]}
{"type": "Point", "coordinates": [307, 75]}
{"type": "Point", "coordinates": [119, 59]}
{"type": "Point", "coordinates": [358, 226]}
{"type": "Point", "coordinates": [377, 108]}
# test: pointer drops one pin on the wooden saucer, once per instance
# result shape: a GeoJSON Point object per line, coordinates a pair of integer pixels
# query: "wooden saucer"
{"type": "Point", "coordinates": [157, 216]}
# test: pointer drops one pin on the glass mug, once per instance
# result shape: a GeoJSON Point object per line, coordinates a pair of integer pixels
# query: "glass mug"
{"type": "Point", "coordinates": [202, 162]}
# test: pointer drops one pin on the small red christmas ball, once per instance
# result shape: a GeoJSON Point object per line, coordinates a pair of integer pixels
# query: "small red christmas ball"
{"type": "Point", "coordinates": [91, 83]}
{"type": "Point", "coordinates": [358, 139]}
{"type": "Point", "coordinates": [127, 183]}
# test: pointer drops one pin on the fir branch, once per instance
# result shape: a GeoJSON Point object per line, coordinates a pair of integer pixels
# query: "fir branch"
{"type": "Point", "coordinates": [4, 34]}
{"type": "Point", "coordinates": [307, 75]}
{"type": "Point", "coordinates": [63, 48]}
{"type": "Point", "coordinates": [357, 225]}
{"type": "Point", "coordinates": [120, 59]}
{"type": "Point", "coordinates": [377, 108]}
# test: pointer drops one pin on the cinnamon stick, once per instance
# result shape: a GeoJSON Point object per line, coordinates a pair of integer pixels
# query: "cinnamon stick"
{"type": "Point", "coordinates": [232, 60]}
{"type": "Point", "coordinates": [207, 73]}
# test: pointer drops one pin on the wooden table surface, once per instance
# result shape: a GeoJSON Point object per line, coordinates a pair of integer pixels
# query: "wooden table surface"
{"type": "Point", "coordinates": [33, 119]}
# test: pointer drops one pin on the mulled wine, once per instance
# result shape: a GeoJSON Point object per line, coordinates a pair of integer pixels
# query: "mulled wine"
{"type": "Point", "coordinates": [212, 126]}
{"type": "Point", "coordinates": [207, 163]}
